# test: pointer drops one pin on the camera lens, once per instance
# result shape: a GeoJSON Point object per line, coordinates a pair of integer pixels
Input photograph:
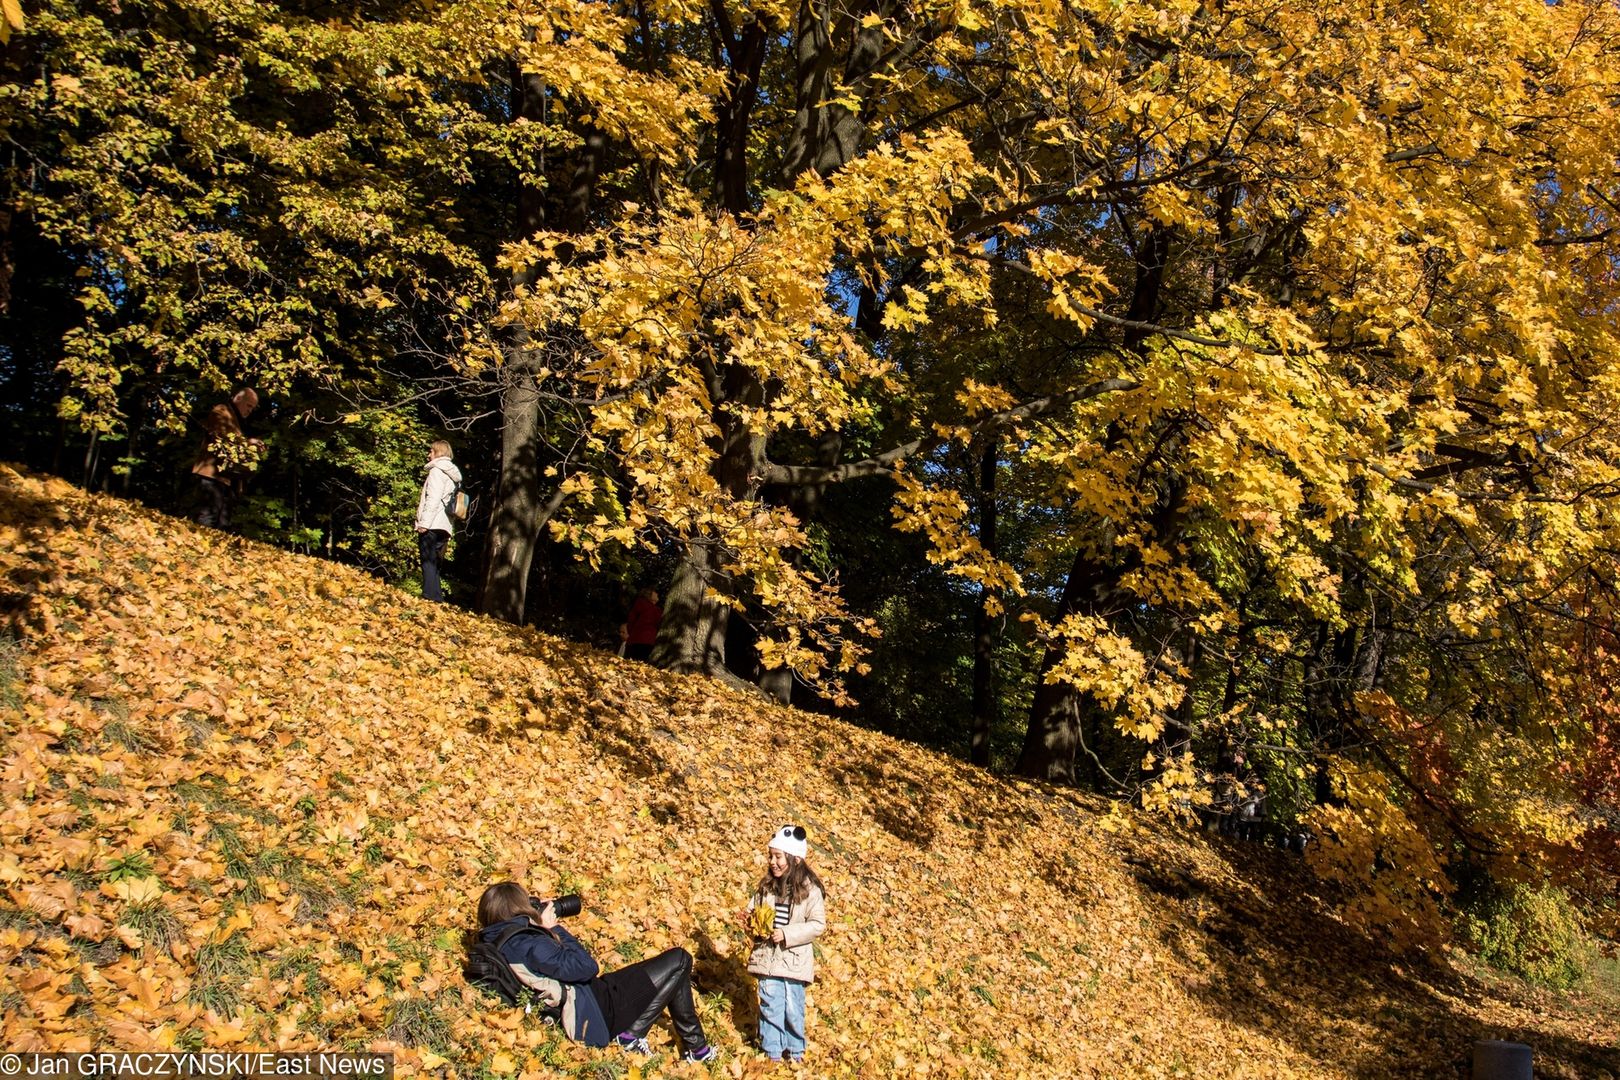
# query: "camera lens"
{"type": "Point", "coordinates": [566, 907]}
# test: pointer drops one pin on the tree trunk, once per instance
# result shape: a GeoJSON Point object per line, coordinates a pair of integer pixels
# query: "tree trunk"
{"type": "Point", "coordinates": [827, 133]}
{"type": "Point", "coordinates": [1056, 714]}
{"type": "Point", "coordinates": [985, 627]}
{"type": "Point", "coordinates": [692, 635]}
{"type": "Point", "coordinates": [1053, 735]}
{"type": "Point", "coordinates": [515, 522]}
{"type": "Point", "coordinates": [512, 528]}
{"type": "Point", "coordinates": [520, 512]}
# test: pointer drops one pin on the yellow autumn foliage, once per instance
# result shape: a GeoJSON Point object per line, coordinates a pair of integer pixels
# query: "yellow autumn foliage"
{"type": "Point", "coordinates": [250, 799]}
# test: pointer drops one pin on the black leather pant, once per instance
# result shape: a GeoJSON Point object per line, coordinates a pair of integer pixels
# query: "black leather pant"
{"type": "Point", "coordinates": [633, 997]}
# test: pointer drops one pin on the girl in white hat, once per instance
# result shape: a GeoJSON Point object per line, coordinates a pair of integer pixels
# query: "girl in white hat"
{"type": "Point", "coordinates": [785, 914]}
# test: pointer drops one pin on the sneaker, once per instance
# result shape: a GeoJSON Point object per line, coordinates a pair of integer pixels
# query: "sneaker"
{"type": "Point", "coordinates": [703, 1053]}
{"type": "Point", "coordinates": [632, 1045]}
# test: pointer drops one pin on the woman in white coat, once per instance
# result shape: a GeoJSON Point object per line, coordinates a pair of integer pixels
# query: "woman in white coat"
{"type": "Point", "coordinates": [433, 526]}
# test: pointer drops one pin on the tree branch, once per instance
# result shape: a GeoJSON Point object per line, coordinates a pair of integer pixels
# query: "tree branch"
{"type": "Point", "coordinates": [1149, 328]}
{"type": "Point", "coordinates": [880, 464]}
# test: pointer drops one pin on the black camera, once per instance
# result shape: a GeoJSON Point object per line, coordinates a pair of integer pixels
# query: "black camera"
{"type": "Point", "coordinates": [565, 907]}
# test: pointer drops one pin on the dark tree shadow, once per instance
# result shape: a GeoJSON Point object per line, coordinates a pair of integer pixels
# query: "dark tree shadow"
{"type": "Point", "coordinates": [1276, 967]}
{"type": "Point", "coordinates": [729, 974]}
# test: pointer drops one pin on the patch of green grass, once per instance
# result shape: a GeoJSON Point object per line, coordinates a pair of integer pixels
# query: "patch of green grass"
{"type": "Point", "coordinates": [416, 1021]}
{"type": "Point", "coordinates": [240, 863]}
{"type": "Point", "coordinates": [1601, 978]}
{"type": "Point", "coordinates": [220, 967]}
{"type": "Point", "coordinates": [300, 966]}
{"type": "Point", "coordinates": [85, 803]}
{"type": "Point", "coordinates": [11, 675]}
{"type": "Point", "coordinates": [158, 927]}
{"type": "Point", "coordinates": [214, 794]}
{"type": "Point", "coordinates": [318, 895]}
{"type": "Point", "coordinates": [134, 864]}
{"type": "Point", "coordinates": [312, 1020]}
{"type": "Point", "coordinates": [80, 878]}
{"type": "Point", "coordinates": [404, 952]}
{"type": "Point", "coordinates": [17, 918]}
{"type": "Point", "coordinates": [986, 1050]}
{"type": "Point", "coordinates": [124, 734]}
{"type": "Point", "coordinates": [712, 1006]}
{"type": "Point", "coordinates": [612, 1069]}
{"type": "Point", "coordinates": [115, 707]}
{"type": "Point", "coordinates": [200, 730]}
{"type": "Point", "coordinates": [631, 951]}
{"type": "Point", "coordinates": [190, 1040]}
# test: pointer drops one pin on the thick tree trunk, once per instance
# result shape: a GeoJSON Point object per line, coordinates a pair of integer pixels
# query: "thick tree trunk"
{"type": "Point", "coordinates": [1056, 715]}
{"type": "Point", "coordinates": [985, 627]}
{"type": "Point", "coordinates": [745, 55]}
{"type": "Point", "coordinates": [692, 635]}
{"type": "Point", "coordinates": [512, 531]}
{"type": "Point", "coordinates": [827, 133]}
{"type": "Point", "coordinates": [515, 523]}
{"type": "Point", "coordinates": [1053, 736]}
{"type": "Point", "coordinates": [521, 510]}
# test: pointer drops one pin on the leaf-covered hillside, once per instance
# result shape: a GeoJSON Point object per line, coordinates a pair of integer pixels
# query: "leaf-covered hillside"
{"type": "Point", "coordinates": [251, 798]}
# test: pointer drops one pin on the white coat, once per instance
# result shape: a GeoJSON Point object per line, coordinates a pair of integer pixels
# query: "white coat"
{"type": "Point", "coordinates": [432, 509]}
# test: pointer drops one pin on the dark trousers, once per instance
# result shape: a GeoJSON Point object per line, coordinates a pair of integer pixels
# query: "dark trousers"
{"type": "Point", "coordinates": [638, 652]}
{"type": "Point", "coordinates": [633, 997]}
{"type": "Point", "coordinates": [215, 500]}
{"type": "Point", "coordinates": [432, 544]}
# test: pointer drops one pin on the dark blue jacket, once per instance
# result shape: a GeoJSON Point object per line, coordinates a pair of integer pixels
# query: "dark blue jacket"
{"type": "Point", "coordinates": [563, 959]}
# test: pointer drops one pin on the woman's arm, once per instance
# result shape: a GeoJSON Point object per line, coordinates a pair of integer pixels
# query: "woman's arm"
{"type": "Point", "coordinates": [815, 921]}
{"type": "Point", "coordinates": [564, 959]}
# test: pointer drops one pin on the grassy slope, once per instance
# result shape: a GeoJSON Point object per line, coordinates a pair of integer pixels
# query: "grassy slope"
{"type": "Point", "coordinates": [251, 798]}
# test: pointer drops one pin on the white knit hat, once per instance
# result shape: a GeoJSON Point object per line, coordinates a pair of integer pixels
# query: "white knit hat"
{"type": "Point", "coordinates": [789, 840]}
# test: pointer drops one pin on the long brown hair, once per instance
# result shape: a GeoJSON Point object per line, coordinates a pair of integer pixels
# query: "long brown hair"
{"type": "Point", "coordinates": [793, 886]}
{"type": "Point", "coordinates": [508, 900]}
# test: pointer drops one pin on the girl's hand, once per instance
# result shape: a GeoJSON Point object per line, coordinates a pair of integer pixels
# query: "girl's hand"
{"type": "Point", "coordinates": [548, 915]}
{"type": "Point", "coordinates": [778, 938]}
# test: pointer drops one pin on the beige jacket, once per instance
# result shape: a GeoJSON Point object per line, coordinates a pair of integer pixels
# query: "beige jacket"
{"type": "Point", "coordinates": [796, 959]}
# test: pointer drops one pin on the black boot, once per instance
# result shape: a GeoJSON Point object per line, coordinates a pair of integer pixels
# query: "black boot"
{"type": "Point", "coordinates": [671, 975]}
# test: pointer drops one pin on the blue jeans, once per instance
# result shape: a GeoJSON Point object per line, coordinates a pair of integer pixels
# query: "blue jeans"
{"type": "Point", "coordinates": [781, 1018]}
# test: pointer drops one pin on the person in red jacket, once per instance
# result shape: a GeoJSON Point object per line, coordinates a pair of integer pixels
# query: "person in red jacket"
{"type": "Point", "coordinates": [640, 629]}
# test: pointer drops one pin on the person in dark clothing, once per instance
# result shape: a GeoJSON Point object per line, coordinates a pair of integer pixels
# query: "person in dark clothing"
{"type": "Point", "coordinates": [640, 630]}
{"type": "Point", "coordinates": [627, 1001]}
{"type": "Point", "coordinates": [219, 467]}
